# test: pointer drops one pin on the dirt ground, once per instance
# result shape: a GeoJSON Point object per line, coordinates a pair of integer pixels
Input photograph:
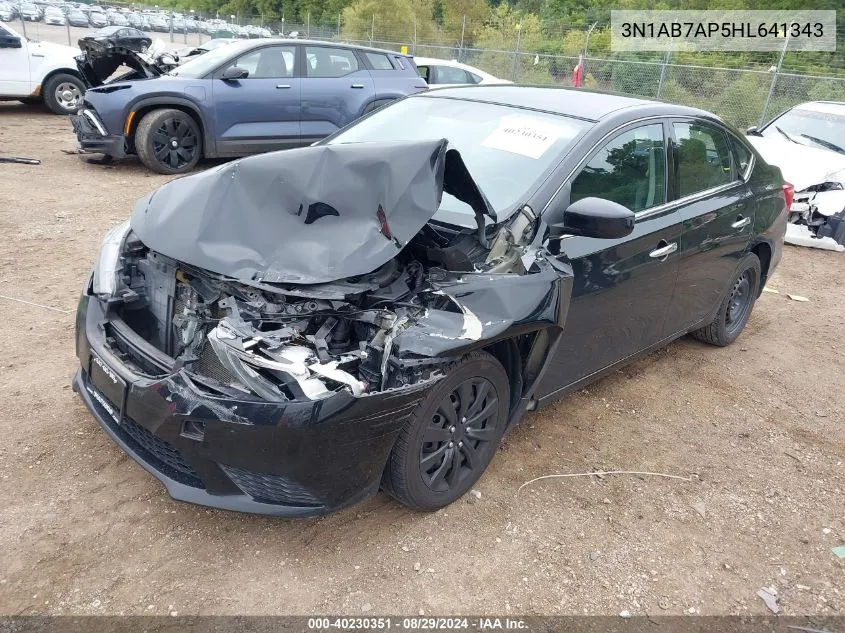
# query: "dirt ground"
{"type": "Point", "coordinates": [758, 427]}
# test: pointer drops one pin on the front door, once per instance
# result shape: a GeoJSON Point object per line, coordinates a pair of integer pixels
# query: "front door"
{"type": "Point", "coordinates": [261, 112]}
{"type": "Point", "coordinates": [622, 288]}
{"type": "Point", "coordinates": [335, 89]}
{"type": "Point", "coordinates": [14, 65]}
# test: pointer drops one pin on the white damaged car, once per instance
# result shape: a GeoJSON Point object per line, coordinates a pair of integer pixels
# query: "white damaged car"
{"type": "Point", "coordinates": [807, 142]}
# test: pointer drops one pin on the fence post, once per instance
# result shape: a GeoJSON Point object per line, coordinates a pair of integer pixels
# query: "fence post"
{"type": "Point", "coordinates": [774, 81]}
{"type": "Point", "coordinates": [414, 49]}
{"type": "Point", "coordinates": [372, 28]}
{"type": "Point", "coordinates": [67, 24]}
{"type": "Point", "coordinates": [516, 52]}
{"type": "Point", "coordinates": [308, 24]}
{"type": "Point", "coordinates": [171, 28]}
{"type": "Point", "coordinates": [463, 31]}
{"type": "Point", "coordinates": [338, 24]}
{"type": "Point", "coordinates": [662, 75]}
{"type": "Point", "coordinates": [23, 24]}
{"type": "Point", "coordinates": [586, 47]}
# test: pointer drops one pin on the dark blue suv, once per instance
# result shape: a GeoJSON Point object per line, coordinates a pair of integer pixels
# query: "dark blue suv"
{"type": "Point", "coordinates": [243, 98]}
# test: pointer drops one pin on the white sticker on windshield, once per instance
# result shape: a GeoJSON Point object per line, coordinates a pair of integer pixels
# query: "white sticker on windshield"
{"type": "Point", "coordinates": [525, 136]}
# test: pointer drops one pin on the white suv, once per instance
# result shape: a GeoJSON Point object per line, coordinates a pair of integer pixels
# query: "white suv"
{"type": "Point", "coordinates": [36, 72]}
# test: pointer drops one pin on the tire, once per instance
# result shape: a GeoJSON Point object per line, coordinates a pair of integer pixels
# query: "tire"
{"type": "Point", "coordinates": [63, 93]}
{"type": "Point", "coordinates": [736, 306]}
{"type": "Point", "coordinates": [154, 139]}
{"type": "Point", "coordinates": [430, 465]}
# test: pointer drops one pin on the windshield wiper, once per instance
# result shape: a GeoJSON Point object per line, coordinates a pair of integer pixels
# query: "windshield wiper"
{"type": "Point", "coordinates": [788, 136]}
{"type": "Point", "coordinates": [824, 143]}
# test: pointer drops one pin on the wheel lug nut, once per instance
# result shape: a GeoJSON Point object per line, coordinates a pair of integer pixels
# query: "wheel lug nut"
{"type": "Point", "coordinates": [451, 429]}
{"type": "Point", "coordinates": [464, 420]}
{"type": "Point", "coordinates": [460, 444]}
{"type": "Point", "coordinates": [451, 444]}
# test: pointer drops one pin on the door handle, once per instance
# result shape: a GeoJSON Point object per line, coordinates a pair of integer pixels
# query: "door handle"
{"type": "Point", "coordinates": [663, 251]}
{"type": "Point", "coordinates": [741, 222]}
{"type": "Point", "coordinates": [280, 86]}
{"type": "Point", "coordinates": [357, 86]}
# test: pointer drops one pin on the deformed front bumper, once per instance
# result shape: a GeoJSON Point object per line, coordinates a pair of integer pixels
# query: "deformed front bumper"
{"type": "Point", "coordinates": [289, 459]}
{"type": "Point", "coordinates": [92, 136]}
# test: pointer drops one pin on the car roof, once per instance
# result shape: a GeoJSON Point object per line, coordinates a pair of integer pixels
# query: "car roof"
{"type": "Point", "coordinates": [825, 107]}
{"type": "Point", "coordinates": [574, 102]}
{"type": "Point", "coordinates": [247, 44]}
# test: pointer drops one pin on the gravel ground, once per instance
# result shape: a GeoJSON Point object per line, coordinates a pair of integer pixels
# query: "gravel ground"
{"type": "Point", "coordinates": [757, 427]}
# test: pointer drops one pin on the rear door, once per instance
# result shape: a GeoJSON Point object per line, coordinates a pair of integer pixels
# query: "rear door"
{"type": "Point", "coordinates": [335, 89]}
{"type": "Point", "coordinates": [259, 113]}
{"type": "Point", "coordinates": [622, 288]}
{"type": "Point", "coordinates": [716, 208]}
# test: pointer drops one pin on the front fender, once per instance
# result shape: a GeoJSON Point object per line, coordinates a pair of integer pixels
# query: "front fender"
{"type": "Point", "coordinates": [145, 103]}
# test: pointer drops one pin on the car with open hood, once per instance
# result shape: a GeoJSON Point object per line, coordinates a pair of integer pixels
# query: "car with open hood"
{"type": "Point", "coordinates": [288, 333]}
{"type": "Point", "coordinates": [39, 72]}
{"type": "Point", "coordinates": [807, 143]}
{"type": "Point", "coordinates": [242, 98]}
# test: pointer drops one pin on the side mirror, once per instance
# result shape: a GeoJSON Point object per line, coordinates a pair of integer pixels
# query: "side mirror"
{"type": "Point", "coordinates": [593, 217]}
{"type": "Point", "coordinates": [233, 73]}
{"type": "Point", "coordinates": [10, 42]}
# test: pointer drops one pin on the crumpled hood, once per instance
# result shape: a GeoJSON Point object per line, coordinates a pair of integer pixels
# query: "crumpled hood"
{"type": "Point", "coordinates": [801, 165]}
{"type": "Point", "coordinates": [99, 60]}
{"type": "Point", "coordinates": [305, 216]}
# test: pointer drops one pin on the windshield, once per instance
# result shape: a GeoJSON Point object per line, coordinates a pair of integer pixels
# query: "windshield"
{"type": "Point", "coordinates": [506, 149]}
{"type": "Point", "coordinates": [205, 63]}
{"type": "Point", "coordinates": [824, 130]}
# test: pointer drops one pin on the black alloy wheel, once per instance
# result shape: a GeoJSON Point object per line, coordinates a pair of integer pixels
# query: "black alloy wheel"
{"type": "Point", "coordinates": [461, 427]}
{"type": "Point", "coordinates": [168, 141]}
{"type": "Point", "coordinates": [451, 436]}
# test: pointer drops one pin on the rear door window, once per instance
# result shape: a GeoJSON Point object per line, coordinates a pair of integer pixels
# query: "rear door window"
{"type": "Point", "coordinates": [327, 62]}
{"type": "Point", "coordinates": [702, 158]}
{"type": "Point", "coordinates": [379, 61]}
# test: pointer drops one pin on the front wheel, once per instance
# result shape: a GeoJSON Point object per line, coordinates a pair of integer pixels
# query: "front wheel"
{"type": "Point", "coordinates": [168, 141]}
{"type": "Point", "coordinates": [736, 306]}
{"type": "Point", "coordinates": [451, 436]}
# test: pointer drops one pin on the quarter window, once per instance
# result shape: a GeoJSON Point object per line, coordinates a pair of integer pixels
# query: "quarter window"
{"type": "Point", "coordinates": [325, 62]}
{"type": "Point", "coordinates": [379, 61]}
{"type": "Point", "coordinates": [702, 158]}
{"type": "Point", "coordinates": [630, 170]}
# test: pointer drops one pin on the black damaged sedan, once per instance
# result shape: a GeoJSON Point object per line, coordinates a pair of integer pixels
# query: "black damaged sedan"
{"type": "Point", "coordinates": [288, 333]}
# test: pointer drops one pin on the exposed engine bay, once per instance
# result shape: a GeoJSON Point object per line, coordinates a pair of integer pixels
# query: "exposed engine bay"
{"type": "Point", "coordinates": [291, 343]}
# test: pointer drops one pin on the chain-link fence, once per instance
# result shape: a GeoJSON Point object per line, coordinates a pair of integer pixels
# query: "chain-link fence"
{"type": "Point", "coordinates": [743, 88]}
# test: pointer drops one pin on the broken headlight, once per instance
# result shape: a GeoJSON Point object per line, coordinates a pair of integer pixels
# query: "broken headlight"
{"type": "Point", "coordinates": [108, 269]}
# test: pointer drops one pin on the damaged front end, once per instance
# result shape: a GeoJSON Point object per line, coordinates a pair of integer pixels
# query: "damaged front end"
{"type": "Point", "coordinates": [317, 282]}
{"type": "Point", "coordinates": [101, 59]}
{"type": "Point", "coordinates": [817, 215]}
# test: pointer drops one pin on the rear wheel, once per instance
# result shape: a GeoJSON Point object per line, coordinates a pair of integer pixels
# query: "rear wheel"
{"type": "Point", "coordinates": [451, 436]}
{"type": "Point", "coordinates": [63, 93]}
{"type": "Point", "coordinates": [737, 305]}
{"type": "Point", "coordinates": [168, 141]}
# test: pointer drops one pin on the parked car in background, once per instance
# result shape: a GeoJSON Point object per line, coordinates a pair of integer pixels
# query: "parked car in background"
{"type": "Point", "coordinates": [39, 72]}
{"type": "Point", "coordinates": [288, 333]}
{"type": "Point", "coordinates": [7, 13]}
{"type": "Point", "coordinates": [118, 36]}
{"type": "Point", "coordinates": [179, 25]}
{"type": "Point", "coordinates": [77, 17]}
{"type": "Point", "coordinates": [29, 12]}
{"type": "Point", "coordinates": [97, 19]}
{"type": "Point", "coordinates": [246, 97]}
{"type": "Point", "coordinates": [54, 16]}
{"type": "Point", "coordinates": [118, 19]}
{"type": "Point", "coordinates": [442, 72]}
{"type": "Point", "coordinates": [807, 142]}
{"type": "Point", "coordinates": [159, 23]}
